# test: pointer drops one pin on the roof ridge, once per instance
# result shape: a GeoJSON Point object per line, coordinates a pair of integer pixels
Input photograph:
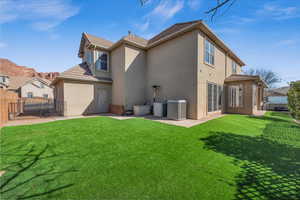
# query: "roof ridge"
{"type": "Point", "coordinates": [189, 22]}
{"type": "Point", "coordinates": [88, 34]}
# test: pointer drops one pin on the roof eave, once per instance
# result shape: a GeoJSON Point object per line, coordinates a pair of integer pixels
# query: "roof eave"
{"type": "Point", "coordinates": [124, 41]}
{"type": "Point", "coordinates": [204, 27]}
{"type": "Point", "coordinates": [74, 79]}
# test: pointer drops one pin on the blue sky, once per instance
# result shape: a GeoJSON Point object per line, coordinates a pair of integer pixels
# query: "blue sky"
{"type": "Point", "coordinates": [45, 34]}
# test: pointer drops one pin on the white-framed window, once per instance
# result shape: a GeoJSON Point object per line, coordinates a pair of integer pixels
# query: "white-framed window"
{"type": "Point", "coordinates": [234, 67]}
{"type": "Point", "coordinates": [214, 97]}
{"type": "Point", "coordinates": [45, 95]}
{"type": "Point", "coordinates": [89, 57]}
{"type": "Point", "coordinates": [235, 96]}
{"type": "Point", "coordinates": [42, 85]}
{"type": "Point", "coordinates": [2, 79]}
{"type": "Point", "coordinates": [29, 94]}
{"type": "Point", "coordinates": [102, 61]}
{"type": "Point", "coordinates": [209, 56]}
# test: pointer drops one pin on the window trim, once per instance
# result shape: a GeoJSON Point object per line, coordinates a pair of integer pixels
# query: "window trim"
{"type": "Point", "coordinates": [89, 59]}
{"type": "Point", "coordinates": [214, 52]}
{"type": "Point", "coordinates": [29, 93]}
{"type": "Point", "coordinates": [233, 66]}
{"type": "Point", "coordinates": [219, 97]}
{"type": "Point", "coordinates": [237, 91]}
{"type": "Point", "coordinates": [96, 59]}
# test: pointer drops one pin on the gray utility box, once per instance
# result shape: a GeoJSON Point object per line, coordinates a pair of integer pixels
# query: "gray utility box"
{"type": "Point", "coordinates": [159, 109]}
{"type": "Point", "coordinates": [176, 109]}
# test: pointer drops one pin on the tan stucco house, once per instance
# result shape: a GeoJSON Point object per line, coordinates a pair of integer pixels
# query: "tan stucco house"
{"type": "Point", "coordinates": [29, 87]}
{"type": "Point", "coordinates": [187, 61]}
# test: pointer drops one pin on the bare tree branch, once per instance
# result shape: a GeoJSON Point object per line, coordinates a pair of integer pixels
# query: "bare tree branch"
{"type": "Point", "coordinates": [219, 5]}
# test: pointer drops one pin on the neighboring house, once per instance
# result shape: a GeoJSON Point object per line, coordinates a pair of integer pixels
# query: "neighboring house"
{"type": "Point", "coordinates": [4, 81]}
{"type": "Point", "coordinates": [30, 87]}
{"type": "Point", "coordinates": [187, 61]}
{"type": "Point", "coordinates": [277, 99]}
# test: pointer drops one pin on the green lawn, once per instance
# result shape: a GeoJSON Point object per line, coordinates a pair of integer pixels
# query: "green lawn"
{"type": "Point", "coordinates": [234, 157]}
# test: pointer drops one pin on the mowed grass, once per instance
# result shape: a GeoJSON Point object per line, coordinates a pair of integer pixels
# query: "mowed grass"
{"type": "Point", "coordinates": [234, 157]}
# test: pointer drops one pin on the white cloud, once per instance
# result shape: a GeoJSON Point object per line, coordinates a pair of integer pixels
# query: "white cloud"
{"type": "Point", "coordinates": [288, 42]}
{"type": "Point", "coordinates": [42, 14]}
{"type": "Point", "coordinates": [143, 26]}
{"type": "Point", "coordinates": [2, 45]}
{"type": "Point", "coordinates": [278, 12]}
{"type": "Point", "coordinates": [166, 9]}
{"type": "Point", "coordinates": [194, 4]}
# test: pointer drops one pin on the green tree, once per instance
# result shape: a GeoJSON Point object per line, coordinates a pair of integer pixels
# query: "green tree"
{"type": "Point", "coordinates": [294, 99]}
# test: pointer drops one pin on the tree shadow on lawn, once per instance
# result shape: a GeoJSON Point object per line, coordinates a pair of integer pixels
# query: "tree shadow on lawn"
{"type": "Point", "coordinates": [32, 173]}
{"type": "Point", "coordinates": [270, 163]}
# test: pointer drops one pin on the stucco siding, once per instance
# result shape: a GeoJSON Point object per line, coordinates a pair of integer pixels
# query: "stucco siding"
{"type": "Point", "coordinates": [247, 107]}
{"type": "Point", "coordinates": [208, 73]}
{"type": "Point", "coordinates": [87, 101]}
{"type": "Point", "coordinates": [135, 73]}
{"type": "Point", "coordinates": [35, 88]}
{"type": "Point", "coordinates": [229, 72]}
{"type": "Point", "coordinates": [117, 68]}
{"type": "Point", "coordinates": [173, 66]}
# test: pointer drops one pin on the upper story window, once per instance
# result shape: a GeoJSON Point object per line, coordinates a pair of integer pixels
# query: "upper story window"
{"type": "Point", "coordinates": [29, 94]}
{"type": "Point", "coordinates": [102, 61]}
{"type": "Point", "coordinates": [234, 67]}
{"type": "Point", "coordinates": [2, 79]}
{"type": "Point", "coordinates": [209, 56]}
{"type": "Point", "coordinates": [89, 57]}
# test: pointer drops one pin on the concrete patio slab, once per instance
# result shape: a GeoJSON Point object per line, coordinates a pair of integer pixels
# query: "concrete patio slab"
{"type": "Point", "coordinates": [184, 123]}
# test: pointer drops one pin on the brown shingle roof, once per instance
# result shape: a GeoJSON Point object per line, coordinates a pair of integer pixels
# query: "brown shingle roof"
{"type": "Point", "coordinates": [243, 77]}
{"type": "Point", "coordinates": [170, 33]}
{"type": "Point", "coordinates": [17, 81]}
{"type": "Point", "coordinates": [175, 28]}
{"type": "Point", "coordinates": [136, 39]}
{"type": "Point", "coordinates": [80, 72]}
{"type": "Point", "coordinates": [98, 41]}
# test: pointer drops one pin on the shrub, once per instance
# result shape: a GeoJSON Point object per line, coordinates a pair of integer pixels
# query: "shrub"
{"type": "Point", "coordinates": [294, 99]}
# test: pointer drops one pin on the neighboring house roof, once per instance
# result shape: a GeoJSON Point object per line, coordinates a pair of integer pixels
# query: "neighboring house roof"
{"type": "Point", "coordinates": [243, 77]}
{"type": "Point", "coordinates": [168, 34]}
{"type": "Point", "coordinates": [15, 82]}
{"type": "Point", "coordinates": [282, 91]}
{"type": "Point", "coordinates": [80, 72]}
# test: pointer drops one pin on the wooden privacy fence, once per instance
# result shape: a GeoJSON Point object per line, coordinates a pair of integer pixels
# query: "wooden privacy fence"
{"type": "Point", "coordinates": [8, 104]}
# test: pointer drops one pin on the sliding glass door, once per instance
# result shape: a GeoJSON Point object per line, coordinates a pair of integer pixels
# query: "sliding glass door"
{"type": "Point", "coordinates": [214, 97]}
